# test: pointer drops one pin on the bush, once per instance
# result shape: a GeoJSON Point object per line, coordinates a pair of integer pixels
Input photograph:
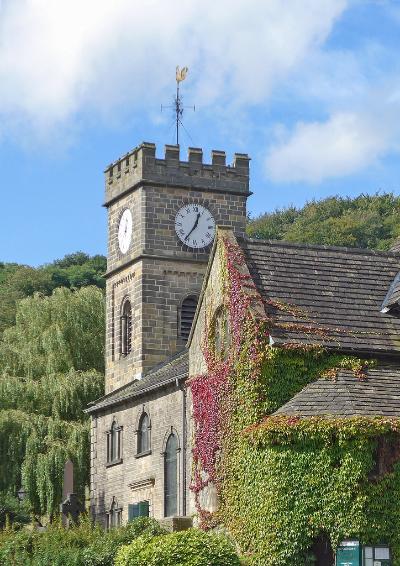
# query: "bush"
{"type": "Point", "coordinates": [17, 513]}
{"type": "Point", "coordinates": [83, 545]}
{"type": "Point", "coordinates": [15, 547]}
{"type": "Point", "coordinates": [102, 551]}
{"type": "Point", "coordinates": [185, 548]}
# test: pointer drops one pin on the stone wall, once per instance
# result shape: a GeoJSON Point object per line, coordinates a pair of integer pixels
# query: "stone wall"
{"type": "Point", "coordinates": [156, 289]}
{"type": "Point", "coordinates": [140, 478]}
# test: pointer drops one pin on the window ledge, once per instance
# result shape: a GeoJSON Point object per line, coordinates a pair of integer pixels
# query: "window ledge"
{"type": "Point", "coordinates": [114, 463]}
{"type": "Point", "coordinates": [142, 454]}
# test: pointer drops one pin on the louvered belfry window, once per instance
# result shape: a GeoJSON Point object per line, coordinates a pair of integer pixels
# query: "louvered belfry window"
{"type": "Point", "coordinates": [188, 310]}
{"type": "Point", "coordinates": [126, 329]}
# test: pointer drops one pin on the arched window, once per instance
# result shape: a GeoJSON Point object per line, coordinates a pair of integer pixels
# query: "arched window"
{"type": "Point", "coordinates": [186, 316]}
{"type": "Point", "coordinates": [114, 515]}
{"type": "Point", "coordinates": [220, 333]}
{"type": "Point", "coordinates": [126, 328]}
{"type": "Point", "coordinates": [143, 434]}
{"type": "Point", "coordinates": [114, 444]}
{"type": "Point", "coordinates": [171, 476]}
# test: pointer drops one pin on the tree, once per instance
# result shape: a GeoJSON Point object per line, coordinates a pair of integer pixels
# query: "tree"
{"type": "Point", "coordinates": [366, 221]}
{"type": "Point", "coordinates": [55, 334]}
{"type": "Point", "coordinates": [19, 281]}
{"type": "Point", "coordinates": [51, 363]}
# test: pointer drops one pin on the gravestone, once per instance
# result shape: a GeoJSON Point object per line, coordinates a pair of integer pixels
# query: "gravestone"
{"type": "Point", "coordinates": [71, 507]}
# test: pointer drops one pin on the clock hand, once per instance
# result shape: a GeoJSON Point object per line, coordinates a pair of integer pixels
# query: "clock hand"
{"type": "Point", "coordinates": [195, 225]}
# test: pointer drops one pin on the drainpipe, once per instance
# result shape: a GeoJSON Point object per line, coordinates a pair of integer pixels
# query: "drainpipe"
{"type": "Point", "coordinates": [184, 444]}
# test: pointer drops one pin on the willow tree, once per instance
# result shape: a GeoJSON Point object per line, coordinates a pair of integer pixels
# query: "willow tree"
{"type": "Point", "coordinates": [55, 334]}
{"type": "Point", "coordinates": [51, 365]}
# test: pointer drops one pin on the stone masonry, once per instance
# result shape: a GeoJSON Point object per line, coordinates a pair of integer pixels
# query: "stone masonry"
{"type": "Point", "coordinates": [158, 271]}
{"type": "Point", "coordinates": [155, 274]}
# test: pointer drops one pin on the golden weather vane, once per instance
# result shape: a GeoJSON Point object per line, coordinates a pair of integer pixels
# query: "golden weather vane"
{"type": "Point", "coordinates": [178, 101]}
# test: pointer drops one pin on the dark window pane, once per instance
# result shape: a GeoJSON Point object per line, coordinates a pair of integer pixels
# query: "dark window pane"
{"type": "Point", "coordinates": [171, 476]}
{"type": "Point", "coordinates": [126, 329]}
{"type": "Point", "coordinates": [143, 509]}
{"type": "Point", "coordinates": [113, 443]}
{"type": "Point", "coordinates": [140, 509]}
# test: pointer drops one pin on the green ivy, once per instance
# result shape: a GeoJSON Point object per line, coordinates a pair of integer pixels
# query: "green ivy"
{"type": "Point", "coordinates": [284, 481]}
{"type": "Point", "coordinates": [288, 480]}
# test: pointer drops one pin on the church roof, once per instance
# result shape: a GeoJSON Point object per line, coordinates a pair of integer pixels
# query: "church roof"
{"type": "Point", "coordinates": [175, 368]}
{"type": "Point", "coordinates": [339, 291]}
{"type": "Point", "coordinates": [377, 394]}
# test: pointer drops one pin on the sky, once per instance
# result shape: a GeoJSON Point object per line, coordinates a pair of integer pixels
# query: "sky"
{"type": "Point", "coordinates": [310, 89]}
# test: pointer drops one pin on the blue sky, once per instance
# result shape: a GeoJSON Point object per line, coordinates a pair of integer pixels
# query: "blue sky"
{"type": "Point", "coordinates": [309, 88]}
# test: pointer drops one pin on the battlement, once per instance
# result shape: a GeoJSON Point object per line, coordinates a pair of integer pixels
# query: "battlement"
{"type": "Point", "coordinates": [141, 166]}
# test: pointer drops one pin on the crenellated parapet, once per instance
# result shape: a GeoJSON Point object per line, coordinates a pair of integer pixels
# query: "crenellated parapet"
{"type": "Point", "coordinates": [141, 166]}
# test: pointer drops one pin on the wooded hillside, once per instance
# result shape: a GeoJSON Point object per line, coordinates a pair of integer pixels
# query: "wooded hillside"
{"type": "Point", "coordinates": [366, 221]}
{"type": "Point", "coordinates": [72, 271]}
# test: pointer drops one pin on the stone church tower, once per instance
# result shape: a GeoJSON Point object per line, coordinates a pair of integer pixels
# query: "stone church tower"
{"type": "Point", "coordinates": [156, 260]}
{"type": "Point", "coordinates": [162, 217]}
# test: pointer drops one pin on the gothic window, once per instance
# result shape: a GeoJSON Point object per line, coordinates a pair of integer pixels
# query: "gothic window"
{"type": "Point", "coordinates": [143, 434]}
{"type": "Point", "coordinates": [114, 444]}
{"type": "Point", "coordinates": [220, 333]}
{"type": "Point", "coordinates": [186, 316]}
{"type": "Point", "coordinates": [126, 328]}
{"type": "Point", "coordinates": [171, 476]}
{"type": "Point", "coordinates": [114, 516]}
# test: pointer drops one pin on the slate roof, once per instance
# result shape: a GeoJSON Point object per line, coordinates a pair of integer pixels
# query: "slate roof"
{"type": "Point", "coordinates": [341, 290]}
{"type": "Point", "coordinates": [347, 396]}
{"type": "Point", "coordinates": [174, 368]}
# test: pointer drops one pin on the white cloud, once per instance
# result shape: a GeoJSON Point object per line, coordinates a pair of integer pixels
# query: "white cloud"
{"type": "Point", "coordinates": [60, 58]}
{"type": "Point", "coordinates": [340, 146]}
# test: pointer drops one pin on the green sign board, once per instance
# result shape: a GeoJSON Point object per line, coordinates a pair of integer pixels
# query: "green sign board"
{"type": "Point", "coordinates": [349, 553]}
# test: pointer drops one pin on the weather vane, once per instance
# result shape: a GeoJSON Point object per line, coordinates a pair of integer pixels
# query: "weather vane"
{"type": "Point", "coordinates": [178, 102]}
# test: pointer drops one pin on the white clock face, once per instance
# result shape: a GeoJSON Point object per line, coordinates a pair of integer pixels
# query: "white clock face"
{"type": "Point", "coordinates": [125, 231]}
{"type": "Point", "coordinates": [195, 226]}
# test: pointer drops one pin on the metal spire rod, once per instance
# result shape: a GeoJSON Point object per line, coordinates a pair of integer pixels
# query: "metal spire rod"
{"type": "Point", "coordinates": [178, 102]}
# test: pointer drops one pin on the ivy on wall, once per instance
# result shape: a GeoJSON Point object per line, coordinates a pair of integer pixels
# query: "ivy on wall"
{"type": "Point", "coordinates": [284, 481]}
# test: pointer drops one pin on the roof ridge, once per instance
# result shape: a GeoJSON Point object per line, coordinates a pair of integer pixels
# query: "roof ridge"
{"type": "Point", "coordinates": [346, 249]}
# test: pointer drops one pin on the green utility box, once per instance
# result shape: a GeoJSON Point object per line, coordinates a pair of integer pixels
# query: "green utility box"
{"type": "Point", "coordinates": [349, 553]}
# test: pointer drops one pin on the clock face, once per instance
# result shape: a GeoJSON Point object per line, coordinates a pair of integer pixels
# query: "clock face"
{"type": "Point", "coordinates": [125, 230]}
{"type": "Point", "coordinates": [195, 226]}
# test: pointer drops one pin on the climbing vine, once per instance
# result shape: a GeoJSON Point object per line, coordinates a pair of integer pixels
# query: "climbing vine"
{"type": "Point", "coordinates": [283, 481]}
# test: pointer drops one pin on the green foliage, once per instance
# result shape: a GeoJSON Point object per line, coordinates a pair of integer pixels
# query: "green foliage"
{"type": "Point", "coordinates": [12, 510]}
{"type": "Point", "coordinates": [36, 448]}
{"type": "Point", "coordinates": [51, 362]}
{"type": "Point", "coordinates": [83, 545]}
{"type": "Point", "coordinates": [55, 334]}
{"type": "Point", "coordinates": [62, 396]}
{"type": "Point", "coordinates": [102, 552]}
{"type": "Point", "coordinates": [367, 221]}
{"type": "Point", "coordinates": [285, 481]}
{"type": "Point", "coordinates": [19, 281]}
{"type": "Point", "coordinates": [186, 548]}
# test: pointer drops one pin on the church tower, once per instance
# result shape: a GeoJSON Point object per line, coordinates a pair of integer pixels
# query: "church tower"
{"type": "Point", "coordinates": [162, 215]}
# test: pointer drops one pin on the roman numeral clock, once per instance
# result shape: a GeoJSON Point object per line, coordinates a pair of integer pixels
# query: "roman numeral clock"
{"type": "Point", "coordinates": [195, 226]}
